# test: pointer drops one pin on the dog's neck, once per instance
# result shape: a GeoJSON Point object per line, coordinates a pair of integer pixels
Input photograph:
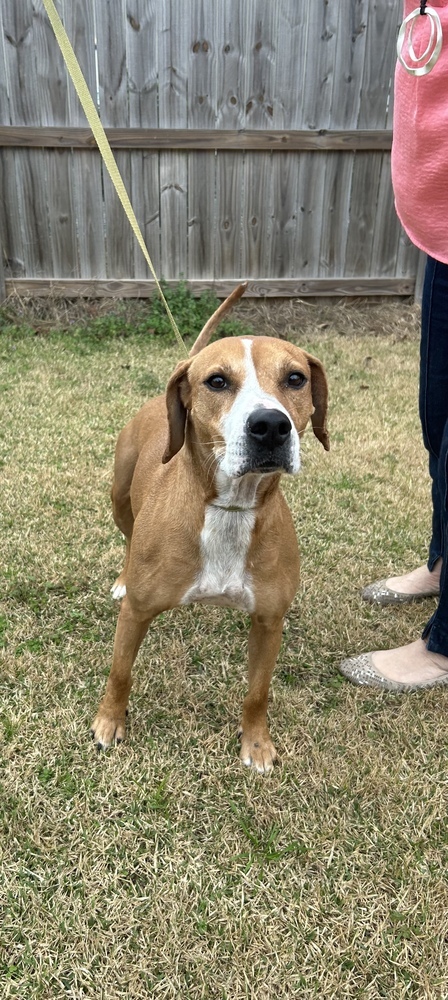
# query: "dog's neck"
{"type": "Point", "coordinates": [220, 506]}
{"type": "Point", "coordinates": [243, 494]}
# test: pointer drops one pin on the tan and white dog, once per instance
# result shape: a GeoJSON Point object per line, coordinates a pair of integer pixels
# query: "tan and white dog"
{"type": "Point", "coordinates": [196, 493]}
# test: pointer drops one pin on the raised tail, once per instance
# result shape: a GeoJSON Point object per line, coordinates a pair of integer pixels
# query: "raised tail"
{"type": "Point", "coordinates": [211, 324]}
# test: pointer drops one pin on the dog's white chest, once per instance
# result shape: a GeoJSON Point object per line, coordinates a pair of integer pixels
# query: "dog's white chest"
{"type": "Point", "coordinates": [223, 578]}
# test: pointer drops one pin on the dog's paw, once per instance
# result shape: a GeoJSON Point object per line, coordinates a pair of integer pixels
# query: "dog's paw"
{"type": "Point", "coordinates": [257, 751]}
{"type": "Point", "coordinates": [118, 590]}
{"type": "Point", "coordinates": [107, 731]}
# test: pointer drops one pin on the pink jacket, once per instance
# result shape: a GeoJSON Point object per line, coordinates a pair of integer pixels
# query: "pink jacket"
{"type": "Point", "coordinates": [420, 145]}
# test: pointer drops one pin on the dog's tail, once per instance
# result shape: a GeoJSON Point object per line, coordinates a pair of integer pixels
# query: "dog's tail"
{"type": "Point", "coordinates": [211, 324]}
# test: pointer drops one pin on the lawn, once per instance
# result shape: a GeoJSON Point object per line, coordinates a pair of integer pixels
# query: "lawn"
{"type": "Point", "coordinates": [164, 868]}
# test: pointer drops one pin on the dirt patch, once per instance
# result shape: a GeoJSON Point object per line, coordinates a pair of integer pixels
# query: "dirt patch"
{"type": "Point", "coordinates": [307, 319]}
{"type": "Point", "coordinates": [310, 319]}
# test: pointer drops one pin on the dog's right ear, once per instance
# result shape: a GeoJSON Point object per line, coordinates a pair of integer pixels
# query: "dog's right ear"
{"type": "Point", "coordinates": [177, 404]}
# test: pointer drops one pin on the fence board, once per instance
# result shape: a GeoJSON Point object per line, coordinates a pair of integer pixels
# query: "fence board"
{"type": "Point", "coordinates": [259, 82]}
{"type": "Point", "coordinates": [47, 102]}
{"type": "Point", "coordinates": [345, 107]}
{"type": "Point", "coordinates": [259, 287]}
{"type": "Point", "coordinates": [86, 171]}
{"type": "Point", "coordinates": [286, 140]}
{"type": "Point", "coordinates": [289, 88]}
{"type": "Point", "coordinates": [11, 222]}
{"type": "Point", "coordinates": [386, 236]}
{"type": "Point", "coordinates": [321, 38]}
{"type": "Point", "coordinates": [230, 115]}
{"type": "Point", "coordinates": [110, 21]}
{"type": "Point", "coordinates": [24, 35]}
{"type": "Point", "coordinates": [203, 54]}
{"type": "Point", "coordinates": [2, 276]}
{"type": "Point", "coordinates": [142, 62]}
{"type": "Point", "coordinates": [173, 69]}
{"type": "Point", "coordinates": [368, 215]}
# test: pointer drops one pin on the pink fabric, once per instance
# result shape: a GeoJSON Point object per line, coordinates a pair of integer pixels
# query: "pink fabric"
{"type": "Point", "coordinates": [420, 145]}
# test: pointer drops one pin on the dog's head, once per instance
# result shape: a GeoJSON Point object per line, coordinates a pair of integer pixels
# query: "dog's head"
{"type": "Point", "coordinates": [246, 402]}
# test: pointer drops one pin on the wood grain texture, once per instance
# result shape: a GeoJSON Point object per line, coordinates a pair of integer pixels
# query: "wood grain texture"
{"type": "Point", "coordinates": [254, 141]}
{"type": "Point", "coordinates": [231, 117]}
{"type": "Point", "coordinates": [259, 288]}
{"type": "Point", "coordinates": [110, 22]}
{"type": "Point", "coordinates": [204, 43]}
{"type": "Point", "coordinates": [280, 140]}
{"type": "Point", "coordinates": [47, 102]}
{"type": "Point", "coordinates": [86, 171]}
{"type": "Point", "coordinates": [317, 109]}
{"type": "Point", "coordinates": [11, 219]}
{"type": "Point", "coordinates": [260, 32]}
{"type": "Point", "coordinates": [24, 34]}
{"type": "Point", "coordinates": [143, 89]}
{"type": "Point", "coordinates": [371, 216]}
{"type": "Point", "coordinates": [2, 276]}
{"type": "Point", "coordinates": [288, 112]}
{"type": "Point", "coordinates": [350, 41]}
{"type": "Point", "coordinates": [173, 33]}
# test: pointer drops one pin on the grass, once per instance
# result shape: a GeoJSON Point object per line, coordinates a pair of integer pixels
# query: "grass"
{"type": "Point", "coordinates": [164, 868]}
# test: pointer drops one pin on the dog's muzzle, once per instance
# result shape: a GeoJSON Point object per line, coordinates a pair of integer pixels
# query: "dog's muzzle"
{"type": "Point", "coordinates": [269, 440]}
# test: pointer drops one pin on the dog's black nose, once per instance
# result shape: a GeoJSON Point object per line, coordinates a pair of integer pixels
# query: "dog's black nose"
{"type": "Point", "coordinates": [269, 428]}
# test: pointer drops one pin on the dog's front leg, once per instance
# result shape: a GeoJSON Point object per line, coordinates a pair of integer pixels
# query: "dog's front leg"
{"type": "Point", "coordinates": [109, 725]}
{"type": "Point", "coordinates": [257, 749]}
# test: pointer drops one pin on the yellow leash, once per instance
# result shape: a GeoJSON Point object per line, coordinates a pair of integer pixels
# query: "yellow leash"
{"type": "Point", "coordinates": [93, 119]}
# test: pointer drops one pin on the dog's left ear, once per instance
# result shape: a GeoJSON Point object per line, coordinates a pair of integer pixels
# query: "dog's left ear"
{"type": "Point", "coordinates": [319, 393]}
{"type": "Point", "coordinates": [177, 401]}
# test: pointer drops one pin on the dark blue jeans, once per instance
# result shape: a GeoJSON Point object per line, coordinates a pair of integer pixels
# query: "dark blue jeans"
{"type": "Point", "coordinates": [434, 417]}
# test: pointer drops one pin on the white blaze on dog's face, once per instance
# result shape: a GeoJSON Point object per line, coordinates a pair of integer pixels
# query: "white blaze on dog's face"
{"type": "Point", "coordinates": [248, 402]}
{"type": "Point", "coordinates": [258, 432]}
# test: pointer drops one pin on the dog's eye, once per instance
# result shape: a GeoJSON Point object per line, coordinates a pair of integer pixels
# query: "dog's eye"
{"type": "Point", "coordinates": [217, 382]}
{"type": "Point", "coordinates": [296, 380]}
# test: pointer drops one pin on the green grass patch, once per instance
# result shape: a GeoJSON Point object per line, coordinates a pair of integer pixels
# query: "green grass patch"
{"type": "Point", "coordinates": [92, 328]}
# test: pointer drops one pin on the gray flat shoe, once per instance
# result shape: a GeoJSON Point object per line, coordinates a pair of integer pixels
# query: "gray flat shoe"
{"type": "Point", "coordinates": [360, 670]}
{"type": "Point", "coordinates": [380, 593]}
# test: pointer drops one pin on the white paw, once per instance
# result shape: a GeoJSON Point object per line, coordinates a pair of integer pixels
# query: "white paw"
{"type": "Point", "coordinates": [259, 754]}
{"type": "Point", "coordinates": [262, 768]}
{"type": "Point", "coordinates": [118, 591]}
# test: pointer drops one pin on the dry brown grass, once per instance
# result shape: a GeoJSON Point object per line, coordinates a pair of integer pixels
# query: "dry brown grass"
{"type": "Point", "coordinates": [281, 317]}
{"type": "Point", "coordinates": [164, 868]}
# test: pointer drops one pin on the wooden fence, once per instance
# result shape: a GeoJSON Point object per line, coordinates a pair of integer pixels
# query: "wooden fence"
{"type": "Point", "coordinates": [253, 137]}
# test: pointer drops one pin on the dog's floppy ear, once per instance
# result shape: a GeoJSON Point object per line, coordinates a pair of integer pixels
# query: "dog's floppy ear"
{"type": "Point", "coordinates": [177, 399]}
{"type": "Point", "coordinates": [319, 392]}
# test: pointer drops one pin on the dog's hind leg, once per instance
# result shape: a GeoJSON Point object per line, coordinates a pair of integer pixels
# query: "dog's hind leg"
{"type": "Point", "coordinates": [109, 725]}
{"type": "Point", "coordinates": [126, 455]}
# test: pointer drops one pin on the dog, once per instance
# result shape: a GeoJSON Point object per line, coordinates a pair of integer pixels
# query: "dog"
{"type": "Point", "coordinates": [196, 495]}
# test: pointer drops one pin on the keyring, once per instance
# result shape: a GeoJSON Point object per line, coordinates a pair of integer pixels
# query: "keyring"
{"type": "Point", "coordinates": [415, 64]}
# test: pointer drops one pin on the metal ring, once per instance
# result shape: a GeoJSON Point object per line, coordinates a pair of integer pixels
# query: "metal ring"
{"type": "Point", "coordinates": [415, 58]}
{"type": "Point", "coordinates": [416, 67]}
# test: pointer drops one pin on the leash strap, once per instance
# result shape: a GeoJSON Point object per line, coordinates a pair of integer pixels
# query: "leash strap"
{"type": "Point", "coordinates": [102, 141]}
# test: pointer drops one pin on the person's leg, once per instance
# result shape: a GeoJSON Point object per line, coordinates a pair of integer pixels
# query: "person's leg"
{"type": "Point", "coordinates": [433, 394]}
{"type": "Point", "coordinates": [425, 580]}
{"type": "Point", "coordinates": [435, 632]}
{"type": "Point", "coordinates": [426, 660]}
